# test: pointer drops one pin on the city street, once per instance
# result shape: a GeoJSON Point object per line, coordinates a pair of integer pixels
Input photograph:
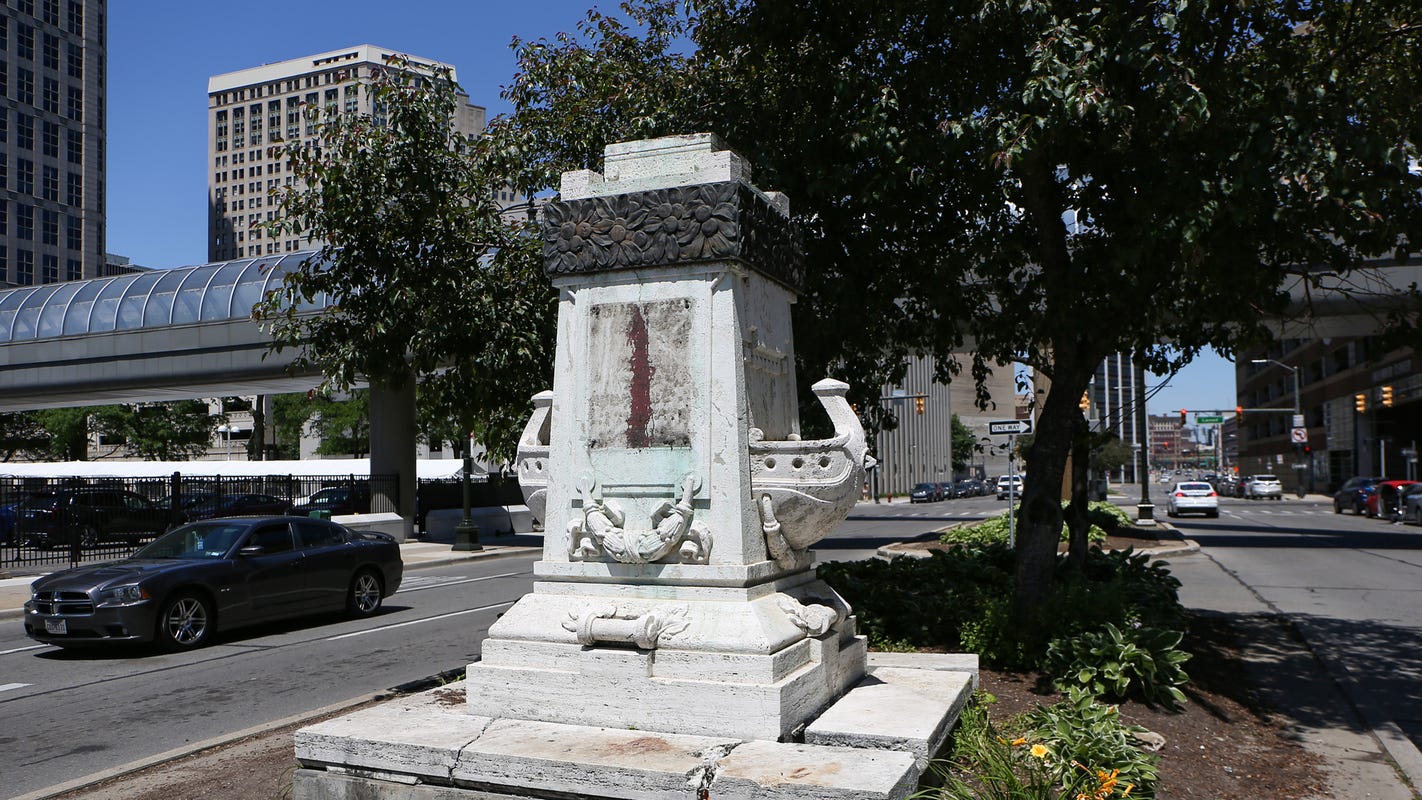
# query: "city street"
{"type": "Point", "coordinates": [64, 715]}
{"type": "Point", "coordinates": [1351, 585]}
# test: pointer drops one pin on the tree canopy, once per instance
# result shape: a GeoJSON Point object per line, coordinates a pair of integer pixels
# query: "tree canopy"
{"type": "Point", "coordinates": [1051, 181]}
{"type": "Point", "coordinates": [431, 283]}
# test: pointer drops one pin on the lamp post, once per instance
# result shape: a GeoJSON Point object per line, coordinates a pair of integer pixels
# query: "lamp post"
{"type": "Point", "coordinates": [466, 533]}
{"type": "Point", "coordinates": [227, 431]}
{"type": "Point", "coordinates": [1296, 422]}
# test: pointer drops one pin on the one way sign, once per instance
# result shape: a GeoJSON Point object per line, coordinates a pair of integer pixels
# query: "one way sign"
{"type": "Point", "coordinates": [1010, 427]}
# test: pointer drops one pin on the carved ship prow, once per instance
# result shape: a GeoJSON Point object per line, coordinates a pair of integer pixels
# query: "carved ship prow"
{"type": "Point", "coordinates": [803, 488]}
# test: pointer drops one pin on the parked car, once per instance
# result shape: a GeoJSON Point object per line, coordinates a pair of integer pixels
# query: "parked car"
{"type": "Point", "coordinates": [977, 487]}
{"type": "Point", "coordinates": [89, 515]}
{"type": "Point", "coordinates": [1193, 497]}
{"type": "Point", "coordinates": [1411, 504]}
{"type": "Point", "coordinates": [1009, 483]}
{"type": "Point", "coordinates": [1259, 487]}
{"type": "Point", "coordinates": [1353, 495]}
{"type": "Point", "coordinates": [926, 493]}
{"type": "Point", "coordinates": [212, 575]}
{"type": "Point", "coordinates": [9, 512]}
{"type": "Point", "coordinates": [235, 505]}
{"type": "Point", "coordinates": [335, 500]}
{"type": "Point", "coordinates": [1385, 499]}
{"type": "Point", "coordinates": [961, 489]}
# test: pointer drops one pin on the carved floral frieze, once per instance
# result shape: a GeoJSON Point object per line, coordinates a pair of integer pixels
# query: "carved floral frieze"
{"type": "Point", "coordinates": [661, 227]}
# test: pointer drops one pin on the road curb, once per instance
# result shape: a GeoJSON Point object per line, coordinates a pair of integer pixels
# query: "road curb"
{"type": "Point", "coordinates": [1404, 754]}
{"type": "Point", "coordinates": [177, 753]}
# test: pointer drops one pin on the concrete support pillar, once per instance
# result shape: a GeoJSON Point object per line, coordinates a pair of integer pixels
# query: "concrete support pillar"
{"type": "Point", "coordinates": [392, 446]}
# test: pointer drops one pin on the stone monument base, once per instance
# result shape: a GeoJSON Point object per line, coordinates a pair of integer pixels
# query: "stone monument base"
{"type": "Point", "coordinates": [874, 742]}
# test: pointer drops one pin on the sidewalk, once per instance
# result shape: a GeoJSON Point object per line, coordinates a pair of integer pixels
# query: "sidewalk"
{"type": "Point", "coordinates": [14, 592]}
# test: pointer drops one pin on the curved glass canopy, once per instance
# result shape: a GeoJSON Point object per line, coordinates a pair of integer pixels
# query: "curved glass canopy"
{"type": "Point", "coordinates": [154, 299]}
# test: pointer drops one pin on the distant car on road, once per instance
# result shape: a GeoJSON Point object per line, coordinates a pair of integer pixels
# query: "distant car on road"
{"type": "Point", "coordinates": [1411, 504]}
{"type": "Point", "coordinates": [1193, 497]}
{"type": "Point", "coordinates": [89, 515]}
{"type": "Point", "coordinates": [926, 493]}
{"type": "Point", "coordinates": [1353, 495]}
{"type": "Point", "coordinates": [1009, 484]}
{"type": "Point", "coordinates": [1385, 499]}
{"type": "Point", "coordinates": [1259, 487]}
{"type": "Point", "coordinates": [215, 575]}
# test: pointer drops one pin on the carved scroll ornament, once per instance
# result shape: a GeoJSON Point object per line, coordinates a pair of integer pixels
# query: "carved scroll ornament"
{"type": "Point", "coordinates": [608, 624]}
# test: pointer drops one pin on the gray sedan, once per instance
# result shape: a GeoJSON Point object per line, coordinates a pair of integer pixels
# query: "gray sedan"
{"type": "Point", "coordinates": [216, 575]}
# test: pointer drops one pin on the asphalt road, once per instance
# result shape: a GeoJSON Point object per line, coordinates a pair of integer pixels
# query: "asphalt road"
{"type": "Point", "coordinates": [1352, 586]}
{"type": "Point", "coordinates": [64, 715]}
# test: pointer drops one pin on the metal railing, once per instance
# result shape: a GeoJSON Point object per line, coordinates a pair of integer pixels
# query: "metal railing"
{"type": "Point", "coordinates": [73, 521]}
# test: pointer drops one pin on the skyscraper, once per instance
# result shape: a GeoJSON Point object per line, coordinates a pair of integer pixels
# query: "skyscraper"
{"type": "Point", "coordinates": [53, 56]}
{"type": "Point", "coordinates": [250, 109]}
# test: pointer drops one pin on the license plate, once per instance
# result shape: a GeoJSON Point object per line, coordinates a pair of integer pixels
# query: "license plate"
{"type": "Point", "coordinates": [57, 627]}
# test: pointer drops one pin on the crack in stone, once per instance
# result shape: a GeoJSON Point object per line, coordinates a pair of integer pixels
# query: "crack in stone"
{"type": "Point", "coordinates": [700, 778]}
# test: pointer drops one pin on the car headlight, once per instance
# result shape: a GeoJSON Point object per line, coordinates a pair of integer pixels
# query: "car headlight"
{"type": "Point", "coordinates": [123, 595]}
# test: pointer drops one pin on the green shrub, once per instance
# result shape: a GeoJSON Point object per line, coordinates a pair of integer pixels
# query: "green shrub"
{"type": "Point", "coordinates": [960, 600]}
{"type": "Point", "coordinates": [1140, 661]}
{"type": "Point", "coordinates": [1081, 730]}
{"type": "Point", "coordinates": [987, 765]}
{"type": "Point", "coordinates": [1104, 518]}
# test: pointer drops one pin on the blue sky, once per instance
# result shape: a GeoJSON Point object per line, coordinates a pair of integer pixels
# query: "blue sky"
{"type": "Point", "coordinates": [162, 53]}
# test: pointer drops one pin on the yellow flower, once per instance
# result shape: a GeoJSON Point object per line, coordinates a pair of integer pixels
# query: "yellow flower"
{"type": "Point", "coordinates": [1018, 742]}
{"type": "Point", "coordinates": [1129, 787]}
{"type": "Point", "coordinates": [1040, 751]}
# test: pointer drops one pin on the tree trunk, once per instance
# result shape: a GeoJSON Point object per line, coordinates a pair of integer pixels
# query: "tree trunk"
{"type": "Point", "coordinates": [1040, 523]}
{"type": "Point", "coordinates": [1077, 521]}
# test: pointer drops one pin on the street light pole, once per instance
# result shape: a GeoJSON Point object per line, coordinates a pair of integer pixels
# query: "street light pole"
{"type": "Point", "coordinates": [1297, 418]}
{"type": "Point", "coordinates": [226, 432]}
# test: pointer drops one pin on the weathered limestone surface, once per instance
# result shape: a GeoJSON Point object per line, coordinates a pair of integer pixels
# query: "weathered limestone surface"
{"type": "Point", "coordinates": [910, 710]}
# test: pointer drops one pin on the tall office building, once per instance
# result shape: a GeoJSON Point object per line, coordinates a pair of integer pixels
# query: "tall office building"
{"type": "Point", "coordinates": [251, 109]}
{"type": "Point", "coordinates": [53, 56]}
{"type": "Point", "coordinates": [1113, 396]}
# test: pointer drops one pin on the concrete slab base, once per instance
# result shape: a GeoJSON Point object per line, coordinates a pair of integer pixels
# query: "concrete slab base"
{"type": "Point", "coordinates": [874, 743]}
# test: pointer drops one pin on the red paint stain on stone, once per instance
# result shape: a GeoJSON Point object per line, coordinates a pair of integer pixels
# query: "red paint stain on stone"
{"type": "Point", "coordinates": [639, 420]}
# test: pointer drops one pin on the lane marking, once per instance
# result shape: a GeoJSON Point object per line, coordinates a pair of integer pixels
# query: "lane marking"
{"type": "Point", "coordinates": [23, 649]}
{"type": "Point", "coordinates": [419, 621]}
{"type": "Point", "coordinates": [5, 687]}
{"type": "Point", "coordinates": [435, 583]}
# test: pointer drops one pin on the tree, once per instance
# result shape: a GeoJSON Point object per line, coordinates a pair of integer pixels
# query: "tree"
{"type": "Point", "coordinates": [342, 425]}
{"type": "Point", "coordinates": [20, 434]}
{"type": "Point", "coordinates": [66, 434]}
{"type": "Point", "coordinates": [431, 285]}
{"type": "Point", "coordinates": [965, 446]}
{"type": "Point", "coordinates": [176, 431]}
{"type": "Point", "coordinates": [1051, 181]}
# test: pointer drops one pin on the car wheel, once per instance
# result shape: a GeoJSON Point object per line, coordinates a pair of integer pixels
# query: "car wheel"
{"type": "Point", "coordinates": [365, 594]}
{"type": "Point", "coordinates": [185, 622]}
{"type": "Point", "coordinates": [88, 536]}
{"type": "Point", "coordinates": [1337, 509]}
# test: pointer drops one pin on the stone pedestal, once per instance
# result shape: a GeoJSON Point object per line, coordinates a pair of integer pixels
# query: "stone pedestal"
{"type": "Point", "coordinates": [677, 639]}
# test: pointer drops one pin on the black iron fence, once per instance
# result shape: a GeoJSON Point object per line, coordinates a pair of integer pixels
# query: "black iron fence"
{"type": "Point", "coordinates": [58, 522]}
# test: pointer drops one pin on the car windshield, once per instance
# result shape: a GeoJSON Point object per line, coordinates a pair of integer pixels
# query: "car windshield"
{"type": "Point", "coordinates": [197, 541]}
{"type": "Point", "coordinates": [1265, 478]}
{"type": "Point", "coordinates": [1196, 487]}
{"type": "Point", "coordinates": [924, 487]}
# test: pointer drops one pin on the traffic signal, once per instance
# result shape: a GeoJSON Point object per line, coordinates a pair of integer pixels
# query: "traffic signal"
{"type": "Point", "coordinates": [1239, 414]}
{"type": "Point", "coordinates": [1387, 396]}
{"type": "Point", "coordinates": [1183, 412]}
{"type": "Point", "coordinates": [1360, 402]}
{"type": "Point", "coordinates": [918, 404]}
{"type": "Point", "coordinates": [1085, 404]}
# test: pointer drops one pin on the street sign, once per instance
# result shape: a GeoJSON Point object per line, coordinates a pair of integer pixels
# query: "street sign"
{"type": "Point", "coordinates": [1208, 419]}
{"type": "Point", "coordinates": [1010, 427]}
{"type": "Point", "coordinates": [1298, 421]}
{"type": "Point", "coordinates": [1299, 435]}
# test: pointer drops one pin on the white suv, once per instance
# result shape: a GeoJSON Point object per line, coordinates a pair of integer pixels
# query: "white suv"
{"type": "Point", "coordinates": [1006, 483]}
{"type": "Point", "coordinates": [1262, 486]}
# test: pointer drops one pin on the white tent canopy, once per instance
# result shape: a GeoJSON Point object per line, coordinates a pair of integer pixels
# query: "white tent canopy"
{"type": "Point", "coordinates": [425, 468]}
